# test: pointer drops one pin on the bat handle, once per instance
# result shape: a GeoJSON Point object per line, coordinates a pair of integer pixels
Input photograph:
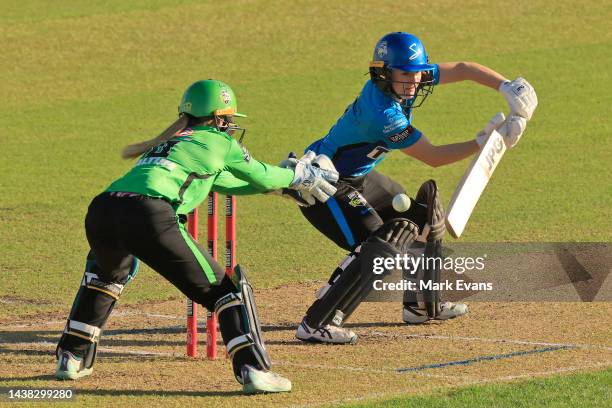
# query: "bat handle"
{"type": "Point", "coordinates": [495, 122]}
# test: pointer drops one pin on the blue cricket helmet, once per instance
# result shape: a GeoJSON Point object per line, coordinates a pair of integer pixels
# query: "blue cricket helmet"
{"type": "Point", "coordinates": [402, 51]}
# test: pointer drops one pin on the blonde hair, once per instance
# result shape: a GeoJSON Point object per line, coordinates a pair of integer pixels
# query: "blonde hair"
{"type": "Point", "coordinates": [137, 149]}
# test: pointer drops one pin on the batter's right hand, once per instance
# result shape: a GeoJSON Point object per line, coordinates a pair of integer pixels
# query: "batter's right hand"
{"type": "Point", "coordinates": [495, 122]}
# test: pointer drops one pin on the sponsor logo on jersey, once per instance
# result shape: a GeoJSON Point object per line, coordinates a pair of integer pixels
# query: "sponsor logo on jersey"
{"type": "Point", "coordinates": [402, 135]}
{"type": "Point", "coordinates": [356, 199]}
{"type": "Point", "coordinates": [397, 123]}
{"type": "Point", "coordinates": [156, 161]}
{"type": "Point", "coordinates": [378, 153]}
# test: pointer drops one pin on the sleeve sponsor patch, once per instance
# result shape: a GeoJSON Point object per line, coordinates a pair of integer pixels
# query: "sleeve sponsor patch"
{"type": "Point", "coordinates": [404, 134]}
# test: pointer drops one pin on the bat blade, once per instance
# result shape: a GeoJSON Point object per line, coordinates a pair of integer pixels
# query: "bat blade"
{"type": "Point", "coordinates": [473, 183]}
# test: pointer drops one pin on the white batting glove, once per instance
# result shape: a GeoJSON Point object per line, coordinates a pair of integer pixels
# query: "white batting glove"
{"type": "Point", "coordinates": [521, 97]}
{"type": "Point", "coordinates": [323, 162]}
{"type": "Point", "coordinates": [494, 123]}
{"type": "Point", "coordinates": [310, 179]}
{"type": "Point", "coordinates": [512, 130]}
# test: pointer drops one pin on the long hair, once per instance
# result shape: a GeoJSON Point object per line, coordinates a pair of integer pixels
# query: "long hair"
{"type": "Point", "coordinates": [137, 149]}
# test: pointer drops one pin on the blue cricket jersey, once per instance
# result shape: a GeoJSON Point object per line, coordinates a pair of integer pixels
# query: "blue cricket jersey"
{"type": "Point", "coordinates": [373, 125]}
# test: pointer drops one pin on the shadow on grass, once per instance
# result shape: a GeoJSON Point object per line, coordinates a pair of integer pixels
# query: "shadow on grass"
{"type": "Point", "coordinates": [48, 377]}
{"type": "Point", "coordinates": [79, 392]}
{"type": "Point", "coordinates": [183, 393]}
{"type": "Point", "coordinates": [110, 337]}
{"type": "Point", "coordinates": [103, 354]}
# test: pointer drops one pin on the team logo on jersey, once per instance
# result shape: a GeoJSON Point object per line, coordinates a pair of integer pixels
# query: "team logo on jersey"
{"type": "Point", "coordinates": [416, 51]}
{"type": "Point", "coordinates": [381, 51]}
{"type": "Point", "coordinates": [225, 96]}
{"type": "Point", "coordinates": [398, 137]}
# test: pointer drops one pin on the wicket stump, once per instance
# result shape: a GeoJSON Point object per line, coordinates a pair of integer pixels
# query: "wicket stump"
{"type": "Point", "coordinates": [230, 262]}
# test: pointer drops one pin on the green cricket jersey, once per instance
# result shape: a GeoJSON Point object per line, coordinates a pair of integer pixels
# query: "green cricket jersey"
{"type": "Point", "coordinates": [186, 168]}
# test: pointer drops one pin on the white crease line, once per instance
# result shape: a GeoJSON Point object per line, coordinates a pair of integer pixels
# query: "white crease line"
{"type": "Point", "coordinates": [384, 396]}
{"type": "Point", "coordinates": [137, 352]}
{"type": "Point", "coordinates": [22, 325]}
{"type": "Point", "coordinates": [491, 340]}
{"type": "Point", "coordinates": [358, 369]}
{"type": "Point", "coordinates": [25, 325]}
{"type": "Point", "coordinates": [118, 314]}
{"type": "Point", "coordinates": [50, 345]}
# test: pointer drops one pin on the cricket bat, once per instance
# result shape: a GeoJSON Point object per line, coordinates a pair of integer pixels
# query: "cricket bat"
{"type": "Point", "coordinates": [473, 183]}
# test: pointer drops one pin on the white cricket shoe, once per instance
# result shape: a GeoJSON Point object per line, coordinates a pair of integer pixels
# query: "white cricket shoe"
{"type": "Point", "coordinates": [326, 334]}
{"type": "Point", "coordinates": [256, 381]}
{"type": "Point", "coordinates": [448, 310]}
{"type": "Point", "coordinates": [70, 367]}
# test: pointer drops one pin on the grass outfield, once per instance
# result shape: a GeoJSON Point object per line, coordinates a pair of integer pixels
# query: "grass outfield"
{"type": "Point", "coordinates": [580, 390]}
{"type": "Point", "coordinates": [80, 80]}
{"type": "Point", "coordinates": [85, 80]}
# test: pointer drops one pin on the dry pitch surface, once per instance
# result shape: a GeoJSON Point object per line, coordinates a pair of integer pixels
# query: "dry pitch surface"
{"type": "Point", "coordinates": [142, 354]}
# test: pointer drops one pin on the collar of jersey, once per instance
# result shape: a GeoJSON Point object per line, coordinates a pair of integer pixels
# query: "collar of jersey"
{"type": "Point", "coordinates": [204, 127]}
{"type": "Point", "coordinates": [384, 99]}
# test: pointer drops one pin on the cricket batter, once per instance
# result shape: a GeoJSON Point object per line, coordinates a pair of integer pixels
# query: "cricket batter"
{"type": "Point", "coordinates": [142, 216]}
{"type": "Point", "coordinates": [360, 217]}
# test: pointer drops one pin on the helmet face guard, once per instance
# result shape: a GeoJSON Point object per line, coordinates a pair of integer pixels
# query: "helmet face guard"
{"type": "Point", "coordinates": [225, 123]}
{"type": "Point", "coordinates": [381, 76]}
{"type": "Point", "coordinates": [403, 52]}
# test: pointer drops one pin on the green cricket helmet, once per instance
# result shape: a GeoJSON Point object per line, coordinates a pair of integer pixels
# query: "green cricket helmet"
{"type": "Point", "coordinates": [209, 98]}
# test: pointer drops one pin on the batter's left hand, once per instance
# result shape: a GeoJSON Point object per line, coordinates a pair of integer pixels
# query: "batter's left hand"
{"type": "Point", "coordinates": [521, 97]}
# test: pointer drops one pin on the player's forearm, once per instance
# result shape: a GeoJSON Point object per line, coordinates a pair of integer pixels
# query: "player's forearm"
{"type": "Point", "coordinates": [244, 189]}
{"type": "Point", "coordinates": [451, 153]}
{"type": "Point", "coordinates": [262, 176]}
{"type": "Point", "coordinates": [470, 71]}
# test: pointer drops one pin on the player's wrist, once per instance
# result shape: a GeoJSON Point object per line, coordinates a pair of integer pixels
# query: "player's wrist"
{"type": "Point", "coordinates": [502, 85]}
{"type": "Point", "coordinates": [480, 138]}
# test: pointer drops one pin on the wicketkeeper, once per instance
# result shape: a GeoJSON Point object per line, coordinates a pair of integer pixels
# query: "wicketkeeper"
{"type": "Point", "coordinates": [142, 216]}
{"type": "Point", "coordinates": [360, 217]}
